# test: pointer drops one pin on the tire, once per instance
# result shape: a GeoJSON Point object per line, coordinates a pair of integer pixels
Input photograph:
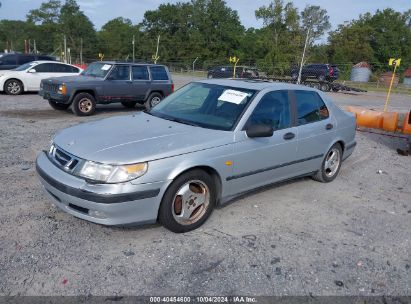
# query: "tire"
{"type": "Point", "coordinates": [58, 106]}
{"type": "Point", "coordinates": [210, 76]}
{"type": "Point", "coordinates": [129, 104]}
{"type": "Point", "coordinates": [153, 100]}
{"type": "Point", "coordinates": [329, 172]}
{"type": "Point", "coordinates": [321, 77]}
{"type": "Point", "coordinates": [324, 87]}
{"type": "Point", "coordinates": [197, 186]}
{"type": "Point", "coordinates": [83, 104]}
{"type": "Point", "coordinates": [13, 87]}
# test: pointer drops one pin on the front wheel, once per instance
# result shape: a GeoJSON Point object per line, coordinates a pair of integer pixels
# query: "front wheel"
{"type": "Point", "coordinates": [13, 87]}
{"type": "Point", "coordinates": [330, 166]}
{"type": "Point", "coordinates": [188, 201]}
{"type": "Point", "coordinates": [83, 104]}
{"type": "Point", "coordinates": [58, 106]}
{"type": "Point", "coordinates": [153, 100]}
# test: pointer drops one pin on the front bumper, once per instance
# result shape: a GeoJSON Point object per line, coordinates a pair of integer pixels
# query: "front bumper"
{"type": "Point", "coordinates": [56, 97]}
{"type": "Point", "coordinates": [107, 204]}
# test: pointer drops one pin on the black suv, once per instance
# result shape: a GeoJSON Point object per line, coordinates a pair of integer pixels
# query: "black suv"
{"type": "Point", "coordinates": [10, 61]}
{"type": "Point", "coordinates": [228, 72]}
{"type": "Point", "coordinates": [105, 82]}
{"type": "Point", "coordinates": [322, 72]}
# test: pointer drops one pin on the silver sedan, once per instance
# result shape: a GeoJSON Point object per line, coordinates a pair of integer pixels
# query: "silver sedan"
{"type": "Point", "coordinates": [202, 146]}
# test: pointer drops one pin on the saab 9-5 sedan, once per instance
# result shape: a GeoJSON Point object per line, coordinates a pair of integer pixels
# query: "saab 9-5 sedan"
{"type": "Point", "coordinates": [202, 146]}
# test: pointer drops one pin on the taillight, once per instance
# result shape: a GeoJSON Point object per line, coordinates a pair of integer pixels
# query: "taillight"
{"type": "Point", "coordinates": [172, 87]}
{"type": "Point", "coordinates": [331, 71]}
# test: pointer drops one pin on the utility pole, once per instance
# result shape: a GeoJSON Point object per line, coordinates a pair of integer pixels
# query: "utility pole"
{"type": "Point", "coordinates": [302, 58]}
{"type": "Point", "coordinates": [81, 51]}
{"type": "Point", "coordinates": [65, 49]}
{"type": "Point", "coordinates": [134, 43]}
{"type": "Point", "coordinates": [194, 62]}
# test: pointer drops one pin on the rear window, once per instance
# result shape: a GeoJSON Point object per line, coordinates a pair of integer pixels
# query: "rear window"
{"type": "Point", "coordinates": [310, 107]}
{"type": "Point", "coordinates": [158, 73]}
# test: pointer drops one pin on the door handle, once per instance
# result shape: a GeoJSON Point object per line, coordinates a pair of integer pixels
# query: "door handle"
{"type": "Point", "coordinates": [329, 126]}
{"type": "Point", "coordinates": [288, 136]}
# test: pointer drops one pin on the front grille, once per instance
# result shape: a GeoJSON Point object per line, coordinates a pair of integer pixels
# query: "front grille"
{"type": "Point", "coordinates": [50, 87]}
{"type": "Point", "coordinates": [63, 159]}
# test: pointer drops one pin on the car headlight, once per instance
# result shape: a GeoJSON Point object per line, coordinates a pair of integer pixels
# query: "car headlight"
{"type": "Point", "coordinates": [111, 173]}
{"type": "Point", "coordinates": [62, 89]}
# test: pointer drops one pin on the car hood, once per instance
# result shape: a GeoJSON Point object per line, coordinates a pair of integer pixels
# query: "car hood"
{"type": "Point", "coordinates": [137, 138]}
{"type": "Point", "coordinates": [75, 78]}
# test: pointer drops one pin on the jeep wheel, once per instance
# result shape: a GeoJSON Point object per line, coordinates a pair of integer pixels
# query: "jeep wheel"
{"type": "Point", "coordinates": [13, 87]}
{"type": "Point", "coordinates": [153, 100]}
{"type": "Point", "coordinates": [83, 104]}
{"type": "Point", "coordinates": [129, 104]}
{"type": "Point", "coordinates": [58, 106]}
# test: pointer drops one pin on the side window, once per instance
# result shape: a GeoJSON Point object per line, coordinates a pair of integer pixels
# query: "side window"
{"type": "Point", "coordinates": [63, 68]}
{"type": "Point", "coordinates": [25, 59]}
{"type": "Point", "coordinates": [9, 60]}
{"type": "Point", "coordinates": [273, 109]}
{"type": "Point", "coordinates": [120, 72]}
{"type": "Point", "coordinates": [140, 73]}
{"type": "Point", "coordinates": [44, 68]}
{"type": "Point", "coordinates": [310, 107]}
{"type": "Point", "coordinates": [158, 73]}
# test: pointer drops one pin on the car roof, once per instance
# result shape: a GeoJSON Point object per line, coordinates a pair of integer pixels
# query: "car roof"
{"type": "Point", "coordinates": [259, 85]}
{"type": "Point", "coordinates": [128, 63]}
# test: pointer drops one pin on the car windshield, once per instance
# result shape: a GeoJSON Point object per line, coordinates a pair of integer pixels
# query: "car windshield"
{"type": "Point", "coordinates": [97, 69]}
{"type": "Point", "coordinates": [205, 105]}
{"type": "Point", "coordinates": [24, 67]}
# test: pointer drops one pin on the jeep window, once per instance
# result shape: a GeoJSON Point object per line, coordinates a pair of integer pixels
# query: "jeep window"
{"type": "Point", "coordinates": [25, 59]}
{"type": "Point", "coordinates": [97, 69]}
{"type": "Point", "coordinates": [158, 73]}
{"type": "Point", "coordinates": [120, 72]}
{"type": "Point", "coordinates": [205, 105]}
{"type": "Point", "coordinates": [9, 59]}
{"type": "Point", "coordinates": [140, 72]}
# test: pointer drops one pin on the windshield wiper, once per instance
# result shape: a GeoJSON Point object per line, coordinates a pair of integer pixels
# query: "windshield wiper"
{"type": "Point", "coordinates": [180, 121]}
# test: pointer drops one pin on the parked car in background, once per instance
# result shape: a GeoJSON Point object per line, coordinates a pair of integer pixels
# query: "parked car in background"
{"type": "Point", "coordinates": [322, 72]}
{"type": "Point", "coordinates": [202, 146]}
{"type": "Point", "coordinates": [105, 82]}
{"type": "Point", "coordinates": [27, 77]}
{"type": "Point", "coordinates": [228, 72]}
{"type": "Point", "coordinates": [10, 61]}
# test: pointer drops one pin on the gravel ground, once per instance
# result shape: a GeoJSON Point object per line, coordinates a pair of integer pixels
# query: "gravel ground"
{"type": "Point", "coordinates": [349, 237]}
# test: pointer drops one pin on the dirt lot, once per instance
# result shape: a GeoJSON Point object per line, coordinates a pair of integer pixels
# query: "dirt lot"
{"type": "Point", "coordinates": [349, 237]}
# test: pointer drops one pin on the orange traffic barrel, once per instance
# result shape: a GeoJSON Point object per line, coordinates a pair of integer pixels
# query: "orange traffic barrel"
{"type": "Point", "coordinates": [406, 125]}
{"type": "Point", "coordinates": [390, 121]}
{"type": "Point", "coordinates": [367, 118]}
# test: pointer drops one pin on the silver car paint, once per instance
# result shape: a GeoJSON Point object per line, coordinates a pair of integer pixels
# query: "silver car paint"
{"type": "Point", "coordinates": [172, 148]}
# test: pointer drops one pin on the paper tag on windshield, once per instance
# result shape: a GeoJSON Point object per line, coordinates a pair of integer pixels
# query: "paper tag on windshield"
{"type": "Point", "coordinates": [233, 96]}
{"type": "Point", "coordinates": [106, 67]}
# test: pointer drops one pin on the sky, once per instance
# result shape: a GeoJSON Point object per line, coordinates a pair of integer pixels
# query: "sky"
{"type": "Point", "coordinates": [101, 11]}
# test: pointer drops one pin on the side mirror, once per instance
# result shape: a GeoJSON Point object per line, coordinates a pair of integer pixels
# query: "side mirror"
{"type": "Point", "coordinates": [259, 131]}
{"type": "Point", "coordinates": [32, 71]}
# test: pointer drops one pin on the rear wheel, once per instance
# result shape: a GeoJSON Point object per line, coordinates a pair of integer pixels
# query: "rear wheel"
{"type": "Point", "coordinates": [58, 106]}
{"type": "Point", "coordinates": [330, 166]}
{"type": "Point", "coordinates": [153, 100]}
{"type": "Point", "coordinates": [188, 201]}
{"type": "Point", "coordinates": [13, 87]}
{"type": "Point", "coordinates": [129, 104]}
{"type": "Point", "coordinates": [83, 104]}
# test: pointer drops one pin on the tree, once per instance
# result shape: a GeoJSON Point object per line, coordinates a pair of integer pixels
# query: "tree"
{"type": "Point", "coordinates": [48, 13]}
{"type": "Point", "coordinates": [316, 20]}
{"type": "Point", "coordinates": [77, 27]}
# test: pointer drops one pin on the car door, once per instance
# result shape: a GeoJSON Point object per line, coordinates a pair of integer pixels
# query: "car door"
{"type": "Point", "coordinates": [118, 85]}
{"type": "Point", "coordinates": [260, 161]}
{"type": "Point", "coordinates": [141, 82]}
{"type": "Point", "coordinates": [316, 129]}
{"type": "Point", "coordinates": [36, 73]}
